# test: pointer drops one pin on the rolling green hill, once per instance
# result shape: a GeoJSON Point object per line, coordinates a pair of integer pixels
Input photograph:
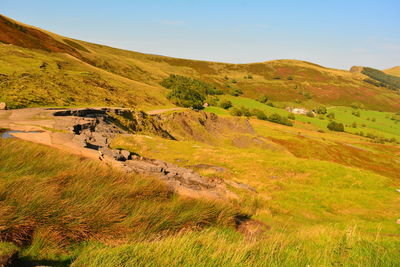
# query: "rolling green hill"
{"type": "Point", "coordinates": [323, 198]}
{"type": "Point", "coordinates": [70, 72]}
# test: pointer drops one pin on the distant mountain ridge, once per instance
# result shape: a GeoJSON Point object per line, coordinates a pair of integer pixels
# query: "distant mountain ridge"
{"type": "Point", "coordinates": [42, 68]}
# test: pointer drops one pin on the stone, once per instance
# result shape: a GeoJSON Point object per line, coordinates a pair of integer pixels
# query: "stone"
{"type": "Point", "coordinates": [3, 106]}
{"type": "Point", "coordinates": [125, 153]}
{"type": "Point", "coordinates": [144, 166]}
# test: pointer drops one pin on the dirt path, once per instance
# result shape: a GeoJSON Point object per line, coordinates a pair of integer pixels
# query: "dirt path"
{"type": "Point", "coordinates": [159, 111]}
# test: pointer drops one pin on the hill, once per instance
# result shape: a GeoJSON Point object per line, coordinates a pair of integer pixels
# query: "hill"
{"type": "Point", "coordinates": [68, 72]}
{"type": "Point", "coordinates": [244, 182]}
{"type": "Point", "coordinates": [393, 71]}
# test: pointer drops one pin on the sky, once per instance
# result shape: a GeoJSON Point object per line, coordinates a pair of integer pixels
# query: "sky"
{"type": "Point", "coordinates": [332, 33]}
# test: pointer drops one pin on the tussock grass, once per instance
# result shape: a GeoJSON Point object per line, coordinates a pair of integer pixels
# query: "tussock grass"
{"type": "Point", "coordinates": [223, 247]}
{"type": "Point", "coordinates": [53, 199]}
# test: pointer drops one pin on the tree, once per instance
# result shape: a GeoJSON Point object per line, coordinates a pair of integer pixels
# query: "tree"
{"type": "Point", "coordinates": [275, 117]}
{"type": "Point", "coordinates": [259, 114]}
{"type": "Point", "coordinates": [321, 110]}
{"type": "Point", "coordinates": [310, 114]}
{"type": "Point", "coordinates": [235, 112]}
{"type": "Point", "coordinates": [186, 97]}
{"type": "Point", "coordinates": [225, 104]}
{"type": "Point", "coordinates": [335, 126]}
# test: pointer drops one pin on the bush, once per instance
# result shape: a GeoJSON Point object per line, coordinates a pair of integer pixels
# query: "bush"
{"type": "Point", "coordinates": [321, 110]}
{"type": "Point", "coordinates": [225, 104]}
{"type": "Point", "coordinates": [212, 101]}
{"type": "Point", "coordinates": [263, 99]}
{"type": "Point", "coordinates": [310, 114]}
{"type": "Point", "coordinates": [236, 92]}
{"type": "Point", "coordinates": [245, 111]}
{"type": "Point", "coordinates": [291, 116]}
{"type": "Point", "coordinates": [276, 118]}
{"type": "Point", "coordinates": [259, 114]}
{"type": "Point", "coordinates": [331, 115]}
{"type": "Point", "coordinates": [335, 126]}
{"type": "Point", "coordinates": [235, 112]}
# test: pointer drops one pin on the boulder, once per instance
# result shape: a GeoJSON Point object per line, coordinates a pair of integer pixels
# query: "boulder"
{"type": "Point", "coordinates": [125, 154]}
{"type": "Point", "coordinates": [3, 106]}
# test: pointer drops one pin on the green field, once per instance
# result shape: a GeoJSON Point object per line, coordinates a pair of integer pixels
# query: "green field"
{"type": "Point", "coordinates": [369, 121]}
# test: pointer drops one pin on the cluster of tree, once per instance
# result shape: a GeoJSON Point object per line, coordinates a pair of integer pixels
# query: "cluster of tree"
{"type": "Point", "coordinates": [378, 139]}
{"type": "Point", "coordinates": [381, 79]}
{"type": "Point", "coordinates": [321, 110]}
{"type": "Point", "coordinates": [259, 114]}
{"type": "Point", "coordinates": [336, 126]}
{"type": "Point", "coordinates": [188, 92]}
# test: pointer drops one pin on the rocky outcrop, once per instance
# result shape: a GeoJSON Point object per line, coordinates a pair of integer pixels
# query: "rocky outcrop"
{"type": "Point", "coordinates": [182, 180]}
{"type": "Point", "coordinates": [95, 128]}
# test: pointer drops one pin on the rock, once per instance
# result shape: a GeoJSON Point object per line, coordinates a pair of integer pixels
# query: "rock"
{"type": "Point", "coordinates": [143, 166]}
{"type": "Point", "coordinates": [3, 106]}
{"type": "Point", "coordinates": [241, 186]}
{"type": "Point", "coordinates": [125, 153]}
{"type": "Point", "coordinates": [398, 221]}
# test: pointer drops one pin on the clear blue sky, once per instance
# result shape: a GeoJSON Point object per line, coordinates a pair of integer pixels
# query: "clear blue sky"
{"type": "Point", "coordinates": [331, 33]}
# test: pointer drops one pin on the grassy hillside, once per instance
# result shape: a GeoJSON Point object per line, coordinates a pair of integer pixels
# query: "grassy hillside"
{"type": "Point", "coordinates": [356, 120]}
{"type": "Point", "coordinates": [137, 76]}
{"type": "Point", "coordinates": [393, 71]}
{"type": "Point", "coordinates": [323, 198]}
{"type": "Point", "coordinates": [52, 201]}
{"type": "Point", "coordinates": [58, 209]}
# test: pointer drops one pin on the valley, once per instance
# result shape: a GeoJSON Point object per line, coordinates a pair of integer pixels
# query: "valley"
{"type": "Point", "coordinates": [111, 157]}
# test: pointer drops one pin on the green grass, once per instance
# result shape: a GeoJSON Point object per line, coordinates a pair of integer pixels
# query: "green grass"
{"type": "Point", "coordinates": [218, 247]}
{"type": "Point", "coordinates": [51, 201]}
{"type": "Point", "coordinates": [375, 122]}
{"type": "Point", "coordinates": [63, 209]}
